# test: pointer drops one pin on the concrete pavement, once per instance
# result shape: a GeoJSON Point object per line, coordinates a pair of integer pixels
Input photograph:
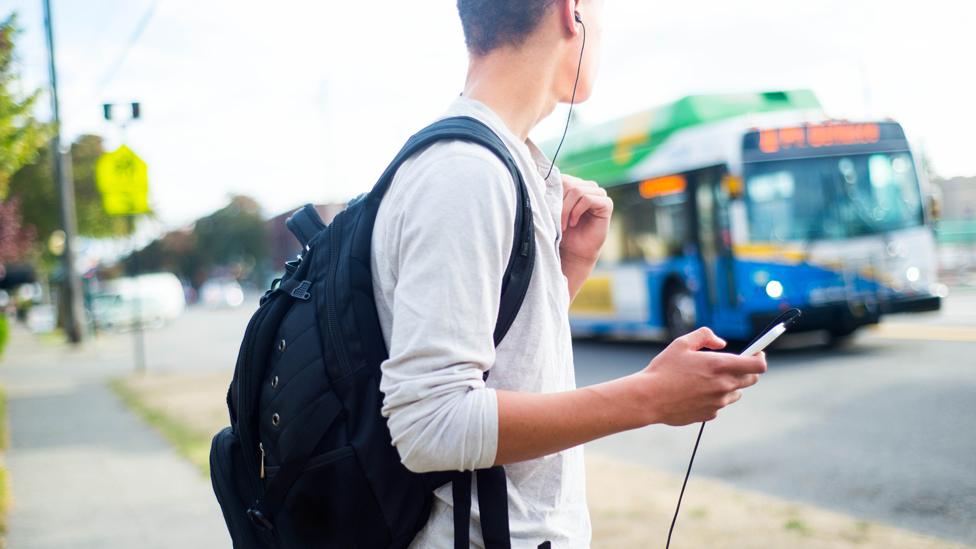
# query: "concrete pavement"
{"type": "Point", "coordinates": [86, 472]}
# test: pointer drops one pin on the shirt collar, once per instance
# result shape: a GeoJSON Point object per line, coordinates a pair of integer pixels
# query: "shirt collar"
{"type": "Point", "coordinates": [466, 106]}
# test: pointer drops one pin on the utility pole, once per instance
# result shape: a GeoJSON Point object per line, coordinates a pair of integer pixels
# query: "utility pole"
{"type": "Point", "coordinates": [71, 287]}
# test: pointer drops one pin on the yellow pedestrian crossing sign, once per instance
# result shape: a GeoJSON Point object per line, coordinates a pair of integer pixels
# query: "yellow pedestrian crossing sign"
{"type": "Point", "coordinates": [123, 181]}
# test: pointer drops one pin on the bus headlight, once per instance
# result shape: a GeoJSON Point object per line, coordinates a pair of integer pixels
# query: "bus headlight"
{"type": "Point", "coordinates": [913, 274]}
{"type": "Point", "coordinates": [774, 289]}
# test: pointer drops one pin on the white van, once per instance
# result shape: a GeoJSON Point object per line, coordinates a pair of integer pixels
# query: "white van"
{"type": "Point", "coordinates": [154, 299]}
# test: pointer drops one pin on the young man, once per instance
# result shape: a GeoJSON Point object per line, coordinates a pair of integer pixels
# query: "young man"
{"type": "Point", "coordinates": [440, 246]}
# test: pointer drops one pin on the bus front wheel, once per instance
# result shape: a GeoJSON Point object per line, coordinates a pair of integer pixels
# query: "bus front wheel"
{"type": "Point", "coordinates": [679, 311]}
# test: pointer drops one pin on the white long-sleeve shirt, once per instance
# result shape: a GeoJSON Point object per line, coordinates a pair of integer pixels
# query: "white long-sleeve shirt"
{"type": "Point", "coordinates": [441, 243]}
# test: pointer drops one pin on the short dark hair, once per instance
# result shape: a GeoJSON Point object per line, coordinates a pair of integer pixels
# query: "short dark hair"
{"type": "Point", "coordinates": [490, 24]}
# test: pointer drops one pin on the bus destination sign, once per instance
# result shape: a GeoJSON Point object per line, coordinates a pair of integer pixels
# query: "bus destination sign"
{"type": "Point", "coordinates": [818, 136]}
{"type": "Point", "coordinates": [820, 139]}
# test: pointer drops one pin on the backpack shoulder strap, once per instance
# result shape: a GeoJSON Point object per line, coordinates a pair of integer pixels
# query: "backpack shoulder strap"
{"type": "Point", "coordinates": [518, 272]}
{"type": "Point", "coordinates": [492, 487]}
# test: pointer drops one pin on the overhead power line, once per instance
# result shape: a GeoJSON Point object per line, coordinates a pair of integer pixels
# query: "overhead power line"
{"type": "Point", "coordinates": [140, 27]}
{"type": "Point", "coordinates": [119, 62]}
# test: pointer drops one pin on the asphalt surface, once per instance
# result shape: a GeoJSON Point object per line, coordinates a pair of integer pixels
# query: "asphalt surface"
{"type": "Point", "coordinates": [884, 428]}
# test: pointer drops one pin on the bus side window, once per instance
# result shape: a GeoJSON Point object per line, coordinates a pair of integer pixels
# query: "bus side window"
{"type": "Point", "coordinates": [645, 229]}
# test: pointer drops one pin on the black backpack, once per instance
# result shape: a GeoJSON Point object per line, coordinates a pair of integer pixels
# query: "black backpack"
{"type": "Point", "coordinates": [308, 459]}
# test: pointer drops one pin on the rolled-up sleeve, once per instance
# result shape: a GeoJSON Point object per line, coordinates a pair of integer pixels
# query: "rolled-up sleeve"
{"type": "Point", "coordinates": [453, 230]}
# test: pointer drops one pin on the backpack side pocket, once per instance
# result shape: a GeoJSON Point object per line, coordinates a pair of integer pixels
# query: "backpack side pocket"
{"type": "Point", "coordinates": [234, 491]}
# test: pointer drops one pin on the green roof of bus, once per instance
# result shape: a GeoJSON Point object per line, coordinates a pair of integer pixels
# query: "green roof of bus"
{"type": "Point", "coordinates": [606, 152]}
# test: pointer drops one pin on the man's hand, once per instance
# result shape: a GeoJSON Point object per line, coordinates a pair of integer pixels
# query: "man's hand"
{"type": "Point", "coordinates": [687, 385]}
{"type": "Point", "coordinates": [681, 385]}
{"type": "Point", "coordinates": [586, 218]}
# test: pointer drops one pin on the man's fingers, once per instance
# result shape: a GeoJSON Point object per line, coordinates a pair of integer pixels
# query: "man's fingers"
{"type": "Point", "coordinates": [702, 338]}
{"type": "Point", "coordinates": [590, 203]}
{"type": "Point", "coordinates": [731, 398]}
{"type": "Point", "coordinates": [740, 365]}
{"type": "Point", "coordinates": [582, 198]}
{"type": "Point", "coordinates": [746, 380]}
{"type": "Point", "coordinates": [570, 198]}
{"type": "Point", "coordinates": [573, 182]}
{"type": "Point", "coordinates": [570, 182]}
{"type": "Point", "coordinates": [582, 206]}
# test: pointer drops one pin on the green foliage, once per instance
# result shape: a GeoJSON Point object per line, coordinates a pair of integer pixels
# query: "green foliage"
{"type": "Point", "coordinates": [34, 185]}
{"type": "Point", "coordinates": [232, 239]}
{"type": "Point", "coordinates": [4, 444]}
{"type": "Point", "coordinates": [26, 168]}
{"type": "Point", "coordinates": [798, 526]}
{"type": "Point", "coordinates": [4, 338]}
{"type": "Point", "coordinates": [234, 234]}
{"type": "Point", "coordinates": [4, 425]}
{"type": "Point", "coordinates": [16, 238]}
{"type": "Point", "coordinates": [4, 499]}
{"type": "Point", "coordinates": [21, 136]}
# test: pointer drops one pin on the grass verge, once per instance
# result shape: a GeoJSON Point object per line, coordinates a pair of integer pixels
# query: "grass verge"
{"type": "Point", "coordinates": [4, 430]}
{"type": "Point", "coordinates": [192, 443]}
{"type": "Point", "coordinates": [5, 498]}
{"type": "Point", "coordinates": [630, 505]}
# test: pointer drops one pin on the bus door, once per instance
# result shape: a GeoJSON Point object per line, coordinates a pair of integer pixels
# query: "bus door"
{"type": "Point", "coordinates": [710, 219]}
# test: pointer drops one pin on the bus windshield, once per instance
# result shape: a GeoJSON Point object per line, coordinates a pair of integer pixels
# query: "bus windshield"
{"type": "Point", "coordinates": [832, 197]}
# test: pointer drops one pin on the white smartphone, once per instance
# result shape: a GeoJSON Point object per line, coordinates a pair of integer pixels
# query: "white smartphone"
{"type": "Point", "coordinates": [765, 340]}
{"type": "Point", "coordinates": [781, 324]}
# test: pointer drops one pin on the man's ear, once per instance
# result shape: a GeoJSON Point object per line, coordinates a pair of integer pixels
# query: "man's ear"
{"type": "Point", "coordinates": [569, 16]}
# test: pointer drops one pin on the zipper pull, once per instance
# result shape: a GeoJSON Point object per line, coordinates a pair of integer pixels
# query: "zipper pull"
{"type": "Point", "coordinates": [261, 447]}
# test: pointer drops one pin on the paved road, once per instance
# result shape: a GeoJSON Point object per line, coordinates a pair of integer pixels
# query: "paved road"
{"type": "Point", "coordinates": [884, 429]}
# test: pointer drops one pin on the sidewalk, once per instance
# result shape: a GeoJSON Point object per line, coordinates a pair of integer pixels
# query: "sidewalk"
{"type": "Point", "coordinates": [85, 472]}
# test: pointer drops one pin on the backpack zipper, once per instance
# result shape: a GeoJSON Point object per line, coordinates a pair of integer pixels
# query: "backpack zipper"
{"type": "Point", "coordinates": [330, 303]}
{"type": "Point", "coordinates": [243, 401]}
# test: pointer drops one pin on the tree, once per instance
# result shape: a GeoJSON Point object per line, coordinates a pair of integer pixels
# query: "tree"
{"type": "Point", "coordinates": [233, 236]}
{"type": "Point", "coordinates": [231, 241]}
{"type": "Point", "coordinates": [176, 251]}
{"type": "Point", "coordinates": [21, 136]}
{"type": "Point", "coordinates": [34, 185]}
{"type": "Point", "coordinates": [15, 239]}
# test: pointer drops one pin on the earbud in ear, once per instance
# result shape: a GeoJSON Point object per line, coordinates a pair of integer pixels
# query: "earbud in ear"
{"type": "Point", "coordinates": [578, 18]}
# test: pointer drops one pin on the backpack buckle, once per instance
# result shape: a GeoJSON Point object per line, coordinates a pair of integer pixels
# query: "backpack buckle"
{"type": "Point", "coordinates": [301, 291]}
{"type": "Point", "coordinates": [259, 520]}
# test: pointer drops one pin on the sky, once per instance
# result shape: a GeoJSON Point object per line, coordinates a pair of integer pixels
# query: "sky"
{"type": "Point", "coordinates": [306, 101]}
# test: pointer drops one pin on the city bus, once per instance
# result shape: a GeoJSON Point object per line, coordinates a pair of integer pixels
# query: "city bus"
{"type": "Point", "coordinates": [729, 209]}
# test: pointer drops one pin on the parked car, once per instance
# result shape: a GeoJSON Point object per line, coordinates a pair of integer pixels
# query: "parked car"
{"type": "Point", "coordinates": [42, 318]}
{"type": "Point", "coordinates": [153, 299]}
{"type": "Point", "coordinates": [221, 292]}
